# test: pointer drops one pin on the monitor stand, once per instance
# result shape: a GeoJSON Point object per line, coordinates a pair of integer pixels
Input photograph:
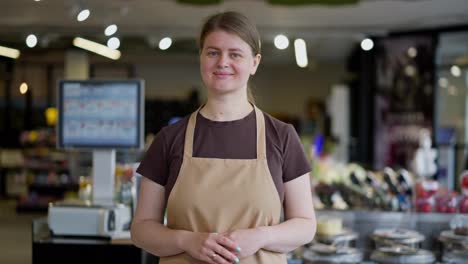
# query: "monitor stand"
{"type": "Point", "coordinates": [103, 176]}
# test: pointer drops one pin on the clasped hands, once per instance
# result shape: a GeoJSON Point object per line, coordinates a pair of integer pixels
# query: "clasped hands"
{"type": "Point", "coordinates": [224, 248]}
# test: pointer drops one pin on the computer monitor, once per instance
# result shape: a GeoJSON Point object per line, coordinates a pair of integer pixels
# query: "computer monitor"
{"type": "Point", "coordinates": [101, 116]}
{"type": "Point", "coordinates": [95, 114]}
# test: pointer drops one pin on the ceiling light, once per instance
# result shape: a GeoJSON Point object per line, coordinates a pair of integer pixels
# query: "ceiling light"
{"type": "Point", "coordinates": [410, 70]}
{"type": "Point", "coordinates": [281, 42]}
{"type": "Point", "coordinates": [367, 44]}
{"type": "Point", "coordinates": [455, 70]}
{"type": "Point", "coordinates": [9, 52]}
{"type": "Point", "coordinates": [443, 82]}
{"type": "Point", "coordinates": [83, 15]}
{"type": "Point", "coordinates": [412, 52]}
{"type": "Point", "coordinates": [23, 88]}
{"type": "Point", "coordinates": [96, 48]}
{"type": "Point", "coordinates": [301, 53]}
{"type": "Point", "coordinates": [31, 41]}
{"type": "Point", "coordinates": [113, 43]}
{"type": "Point", "coordinates": [452, 90]}
{"type": "Point", "coordinates": [165, 43]}
{"type": "Point", "coordinates": [110, 30]}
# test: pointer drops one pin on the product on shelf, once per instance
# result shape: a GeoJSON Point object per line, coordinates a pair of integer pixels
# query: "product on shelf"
{"type": "Point", "coordinates": [38, 173]}
{"type": "Point", "coordinates": [446, 202]}
{"type": "Point", "coordinates": [397, 245]}
{"type": "Point", "coordinates": [342, 186]}
{"type": "Point", "coordinates": [425, 192]}
{"type": "Point", "coordinates": [459, 225]}
{"type": "Point", "coordinates": [463, 204]}
{"type": "Point", "coordinates": [329, 226]}
{"type": "Point", "coordinates": [455, 240]}
{"type": "Point", "coordinates": [332, 243]}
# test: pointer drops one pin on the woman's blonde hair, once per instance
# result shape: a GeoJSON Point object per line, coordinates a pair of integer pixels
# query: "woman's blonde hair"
{"type": "Point", "coordinates": [234, 23]}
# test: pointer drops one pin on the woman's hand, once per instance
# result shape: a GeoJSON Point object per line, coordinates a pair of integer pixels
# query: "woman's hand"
{"type": "Point", "coordinates": [248, 240]}
{"type": "Point", "coordinates": [211, 248]}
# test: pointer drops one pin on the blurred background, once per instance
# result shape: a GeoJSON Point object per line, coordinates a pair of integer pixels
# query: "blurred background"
{"type": "Point", "coordinates": [376, 89]}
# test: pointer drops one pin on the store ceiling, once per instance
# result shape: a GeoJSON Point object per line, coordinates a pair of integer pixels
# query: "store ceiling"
{"type": "Point", "coordinates": [330, 31]}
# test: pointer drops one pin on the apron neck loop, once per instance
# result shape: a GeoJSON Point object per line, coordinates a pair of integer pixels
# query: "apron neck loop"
{"type": "Point", "coordinates": [260, 125]}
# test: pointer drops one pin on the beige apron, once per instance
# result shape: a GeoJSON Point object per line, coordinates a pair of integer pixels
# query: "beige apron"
{"type": "Point", "coordinates": [219, 195]}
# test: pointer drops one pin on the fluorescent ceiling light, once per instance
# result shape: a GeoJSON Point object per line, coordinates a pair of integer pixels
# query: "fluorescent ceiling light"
{"type": "Point", "coordinates": [9, 52]}
{"type": "Point", "coordinates": [96, 48]}
{"type": "Point", "coordinates": [110, 30]}
{"type": "Point", "coordinates": [301, 53]}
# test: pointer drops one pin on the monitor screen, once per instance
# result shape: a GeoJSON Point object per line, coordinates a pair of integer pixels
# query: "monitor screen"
{"type": "Point", "coordinates": [101, 114]}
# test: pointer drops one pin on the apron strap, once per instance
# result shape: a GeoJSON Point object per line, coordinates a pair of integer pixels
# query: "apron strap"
{"type": "Point", "coordinates": [261, 138]}
{"type": "Point", "coordinates": [189, 133]}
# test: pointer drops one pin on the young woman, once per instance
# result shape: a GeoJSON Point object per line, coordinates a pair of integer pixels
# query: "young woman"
{"type": "Point", "coordinates": [225, 173]}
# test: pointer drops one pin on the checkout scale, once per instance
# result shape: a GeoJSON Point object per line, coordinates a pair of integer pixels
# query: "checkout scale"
{"type": "Point", "coordinates": [99, 116]}
{"type": "Point", "coordinates": [100, 218]}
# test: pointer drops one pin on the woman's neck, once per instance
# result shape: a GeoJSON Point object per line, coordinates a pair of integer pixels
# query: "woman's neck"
{"type": "Point", "coordinates": [226, 109]}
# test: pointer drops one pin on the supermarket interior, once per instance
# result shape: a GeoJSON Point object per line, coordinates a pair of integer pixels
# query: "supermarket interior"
{"type": "Point", "coordinates": [376, 90]}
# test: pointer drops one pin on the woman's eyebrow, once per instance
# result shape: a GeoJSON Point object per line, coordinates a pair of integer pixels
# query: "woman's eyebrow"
{"type": "Point", "coordinates": [232, 49]}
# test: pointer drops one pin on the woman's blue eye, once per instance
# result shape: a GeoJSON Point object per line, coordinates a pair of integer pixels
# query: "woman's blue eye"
{"type": "Point", "coordinates": [235, 55]}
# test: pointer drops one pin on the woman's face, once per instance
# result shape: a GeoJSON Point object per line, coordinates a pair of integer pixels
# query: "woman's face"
{"type": "Point", "coordinates": [226, 62]}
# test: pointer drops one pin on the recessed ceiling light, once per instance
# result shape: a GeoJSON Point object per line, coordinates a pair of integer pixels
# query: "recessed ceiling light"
{"type": "Point", "coordinates": [113, 43]}
{"type": "Point", "coordinates": [412, 52]}
{"type": "Point", "coordinates": [443, 82]}
{"type": "Point", "coordinates": [83, 15]}
{"type": "Point", "coordinates": [455, 70]}
{"type": "Point", "coordinates": [281, 42]}
{"type": "Point", "coordinates": [23, 88]}
{"type": "Point", "coordinates": [110, 30]}
{"type": "Point", "coordinates": [31, 40]}
{"type": "Point", "coordinates": [367, 44]}
{"type": "Point", "coordinates": [165, 43]}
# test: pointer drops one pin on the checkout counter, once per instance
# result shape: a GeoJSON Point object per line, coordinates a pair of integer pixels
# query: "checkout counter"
{"type": "Point", "coordinates": [50, 249]}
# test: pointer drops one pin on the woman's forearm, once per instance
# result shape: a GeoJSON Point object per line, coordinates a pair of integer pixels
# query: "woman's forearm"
{"type": "Point", "coordinates": [157, 239]}
{"type": "Point", "coordinates": [288, 235]}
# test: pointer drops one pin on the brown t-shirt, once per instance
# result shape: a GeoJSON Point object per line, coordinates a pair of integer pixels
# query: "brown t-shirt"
{"type": "Point", "coordinates": [226, 140]}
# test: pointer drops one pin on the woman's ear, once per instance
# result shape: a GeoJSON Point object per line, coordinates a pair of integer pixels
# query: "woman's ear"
{"type": "Point", "coordinates": [256, 62]}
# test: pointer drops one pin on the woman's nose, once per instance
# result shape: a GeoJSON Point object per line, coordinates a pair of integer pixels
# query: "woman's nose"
{"type": "Point", "coordinates": [223, 61]}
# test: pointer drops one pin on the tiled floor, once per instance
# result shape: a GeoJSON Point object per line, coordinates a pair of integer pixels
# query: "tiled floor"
{"type": "Point", "coordinates": [15, 234]}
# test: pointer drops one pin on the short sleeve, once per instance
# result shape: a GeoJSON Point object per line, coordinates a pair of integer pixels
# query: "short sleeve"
{"type": "Point", "coordinates": [295, 162]}
{"type": "Point", "coordinates": [154, 165]}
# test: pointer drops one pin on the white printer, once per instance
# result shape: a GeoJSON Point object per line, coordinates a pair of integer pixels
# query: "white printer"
{"type": "Point", "coordinates": [81, 219]}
